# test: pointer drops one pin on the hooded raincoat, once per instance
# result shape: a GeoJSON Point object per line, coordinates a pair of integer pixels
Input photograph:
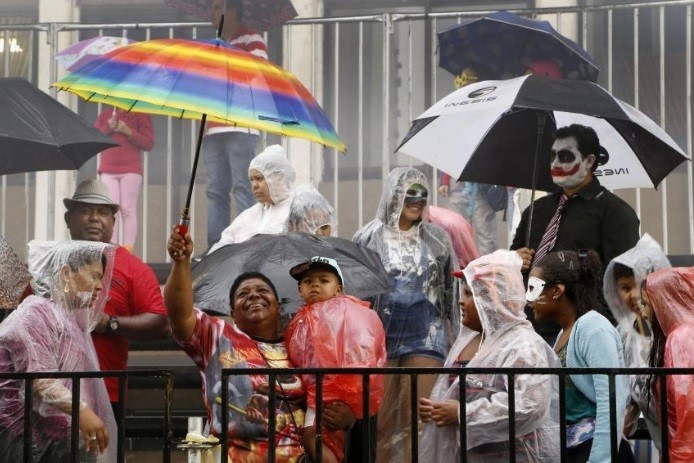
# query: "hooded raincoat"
{"type": "Point", "coordinates": [671, 294]}
{"type": "Point", "coordinates": [310, 211]}
{"type": "Point", "coordinates": [508, 341]}
{"type": "Point", "coordinates": [420, 315]}
{"type": "Point", "coordinates": [459, 230]}
{"type": "Point", "coordinates": [51, 334]}
{"type": "Point", "coordinates": [268, 218]}
{"type": "Point", "coordinates": [646, 257]}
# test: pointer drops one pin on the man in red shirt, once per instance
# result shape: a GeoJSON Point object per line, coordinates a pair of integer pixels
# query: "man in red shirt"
{"type": "Point", "coordinates": [228, 150]}
{"type": "Point", "coordinates": [135, 308]}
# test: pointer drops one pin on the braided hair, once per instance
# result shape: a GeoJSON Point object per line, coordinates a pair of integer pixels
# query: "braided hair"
{"type": "Point", "coordinates": [580, 273]}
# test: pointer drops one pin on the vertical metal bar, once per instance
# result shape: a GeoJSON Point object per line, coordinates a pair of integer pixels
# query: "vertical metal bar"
{"type": "Point", "coordinates": [6, 63]}
{"type": "Point", "coordinates": [28, 408]}
{"type": "Point", "coordinates": [120, 449]}
{"type": "Point", "coordinates": [169, 173]}
{"type": "Point", "coordinates": [74, 421]}
{"type": "Point", "coordinates": [463, 416]}
{"type": "Point", "coordinates": [636, 90]}
{"type": "Point", "coordinates": [272, 417]}
{"type": "Point", "coordinates": [663, 191]}
{"type": "Point", "coordinates": [434, 98]}
{"type": "Point", "coordinates": [385, 160]}
{"type": "Point", "coordinates": [144, 227]}
{"type": "Point", "coordinates": [665, 444]}
{"type": "Point", "coordinates": [288, 65]}
{"type": "Point", "coordinates": [194, 131]}
{"type": "Point", "coordinates": [336, 122]}
{"type": "Point", "coordinates": [414, 422]}
{"type": "Point", "coordinates": [690, 174]}
{"type": "Point", "coordinates": [312, 146]}
{"type": "Point", "coordinates": [584, 27]}
{"type": "Point", "coordinates": [614, 437]}
{"type": "Point", "coordinates": [562, 417]}
{"type": "Point", "coordinates": [319, 417]}
{"type": "Point", "coordinates": [225, 417]}
{"type": "Point", "coordinates": [409, 80]}
{"type": "Point", "coordinates": [366, 422]}
{"type": "Point", "coordinates": [559, 24]}
{"type": "Point", "coordinates": [609, 50]}
{"type": "Point", "coordinates": [511, 387]}
{"type": "Point", "coordinates": [168, 423]}
{"type": "Point", "coordinates": [360, 128]}
{"type": "Point", "coordinates": [27, 176]}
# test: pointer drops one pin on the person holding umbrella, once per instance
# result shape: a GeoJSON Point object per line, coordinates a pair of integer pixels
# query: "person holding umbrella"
{"type": "Point", "coordinates": [228, 150]}
{"type": "Point", "coordinates": [581, 215]}
{"type": "Point", "coordinates": [420, 314]}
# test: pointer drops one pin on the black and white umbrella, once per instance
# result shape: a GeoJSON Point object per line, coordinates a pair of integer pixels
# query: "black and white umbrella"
{"type": "Point", "coordinates": [496, 131]}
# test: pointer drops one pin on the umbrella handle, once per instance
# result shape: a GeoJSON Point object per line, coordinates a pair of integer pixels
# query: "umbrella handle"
{"type": "Point", "coordinates": [184, 222]}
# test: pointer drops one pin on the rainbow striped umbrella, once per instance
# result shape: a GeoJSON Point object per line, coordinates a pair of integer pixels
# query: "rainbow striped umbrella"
{"type": "Point", "coordinates": [189, 78]}
{"type": "Point", "coordinates": [203, 79]}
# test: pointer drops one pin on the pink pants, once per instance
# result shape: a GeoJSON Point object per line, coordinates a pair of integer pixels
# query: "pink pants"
{"type": "Point", "coordinates": [124, 190]}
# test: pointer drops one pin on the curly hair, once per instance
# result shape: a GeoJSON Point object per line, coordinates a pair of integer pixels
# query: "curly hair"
{"type": "Point", "coordinates": [581, 274]}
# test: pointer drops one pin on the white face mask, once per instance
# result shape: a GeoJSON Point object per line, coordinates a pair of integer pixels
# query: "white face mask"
{"type": "Point", "coordinates": [535, 288]}
{"type": "Point", "coordinates": [568, 168]}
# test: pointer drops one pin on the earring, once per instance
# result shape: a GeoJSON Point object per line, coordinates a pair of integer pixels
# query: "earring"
{"type": "Point", "coordinates": [555, 298]}
{"type": "Point", "coordinates": [66, 289]}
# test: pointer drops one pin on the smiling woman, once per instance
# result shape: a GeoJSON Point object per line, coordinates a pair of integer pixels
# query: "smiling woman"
{"type": "Point", "coordinates": [420, 315]}
{"type": "Point", "coordinates": [253, 340]}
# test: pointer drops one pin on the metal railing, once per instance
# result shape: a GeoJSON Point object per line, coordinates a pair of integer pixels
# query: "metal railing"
{"type": "Point", "coordinates": [75, 378]}
{"type": "Point", "coordinates": [373, 74]}
{"type": "Point", "coordinates": [509, 374]}
{"type": "Point", "coordinates": [462, 373]}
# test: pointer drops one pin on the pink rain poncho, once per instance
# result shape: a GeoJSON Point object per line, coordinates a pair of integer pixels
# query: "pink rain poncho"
{"type": "Point", "coordinates": [51, 334]}
{"type": "Point", "coordinates": [340, 332]}
{"type": "Point", "coordinates": [508, 341]}
{"type": "Point", "coordinates": [671, 295]}
{"type": "Point", "coordinates": [458, 229]}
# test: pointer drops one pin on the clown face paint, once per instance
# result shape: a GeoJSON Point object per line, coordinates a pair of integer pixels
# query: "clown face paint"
{"type": "Point", "coordinates": [568, 168]}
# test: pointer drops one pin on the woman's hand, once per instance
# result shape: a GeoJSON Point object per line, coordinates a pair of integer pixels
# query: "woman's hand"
{"type": "Point", "coordinates": [426, 406]}
{"type": "Point", "coordinates": [338, 415]}
{"type": "Point", "coordinates": [445, 413]}
{"type": "Point", "coordinates": [179, 248]}
{"type": "Point", "coordinates": [94, 433]}
{"type": "Point", "coordinates": [123, 128]}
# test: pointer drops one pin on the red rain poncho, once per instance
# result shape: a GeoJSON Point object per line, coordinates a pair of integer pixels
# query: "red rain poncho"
{"type": "Point", "coordinates": [340, 332]}
{"type": "Point", "coordinates": [671, 293]}
{"type": "Point", "coordinates": [458, 229]}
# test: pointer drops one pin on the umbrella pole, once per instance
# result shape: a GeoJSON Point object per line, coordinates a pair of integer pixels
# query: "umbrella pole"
{"type": "Point", "coordinates": [185, 213]}
{"type": "Point", "coordinates": [541, 116]}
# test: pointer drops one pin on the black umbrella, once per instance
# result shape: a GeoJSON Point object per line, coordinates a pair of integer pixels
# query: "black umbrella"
{"type": "Point", "coordinates": [505, 43]}
{"type": "Point", "coordinates": [274, 255]}
{"type": "Point", "coordinates": [38, 133]}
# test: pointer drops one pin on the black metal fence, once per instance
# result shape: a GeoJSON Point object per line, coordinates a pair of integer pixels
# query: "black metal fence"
{"type": "Point", "coordinates": [412, 373]}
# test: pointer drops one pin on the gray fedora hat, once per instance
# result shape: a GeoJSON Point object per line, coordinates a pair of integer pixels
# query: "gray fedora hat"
{"type": "Point", "coordinates": [91, 191]}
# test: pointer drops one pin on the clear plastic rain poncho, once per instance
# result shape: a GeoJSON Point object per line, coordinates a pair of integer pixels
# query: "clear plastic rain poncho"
{"type": "Point", "coordinates": [671, 295]}
{"type": "Point", "coordinates": [52, 334]}
{"type": "Point", "coordinates": [420, 315]}
{"type": "Point", "coordinates": [267, 218]}
{"type": "Point", "coordinates": [646, 257]}
{"type": "Point", "coordinates": [311, 213]}
{"type": "Point", "coordinates": [508, 341]}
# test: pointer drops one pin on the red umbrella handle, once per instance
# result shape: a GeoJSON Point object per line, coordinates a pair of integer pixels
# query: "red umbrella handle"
{"type": "Point", "coordinates": [184, 222]}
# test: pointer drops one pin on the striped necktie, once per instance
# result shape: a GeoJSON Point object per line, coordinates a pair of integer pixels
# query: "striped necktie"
{"type": "Point", "coordinates": [549, 239]}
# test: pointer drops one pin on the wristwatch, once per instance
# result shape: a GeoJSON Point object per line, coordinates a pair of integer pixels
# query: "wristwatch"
{"type": "Point", "coordinates": [113, 324]}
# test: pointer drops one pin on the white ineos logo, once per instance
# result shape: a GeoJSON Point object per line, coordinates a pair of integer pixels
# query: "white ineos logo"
{"type": "Point", "coordinates": [481, 92]}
